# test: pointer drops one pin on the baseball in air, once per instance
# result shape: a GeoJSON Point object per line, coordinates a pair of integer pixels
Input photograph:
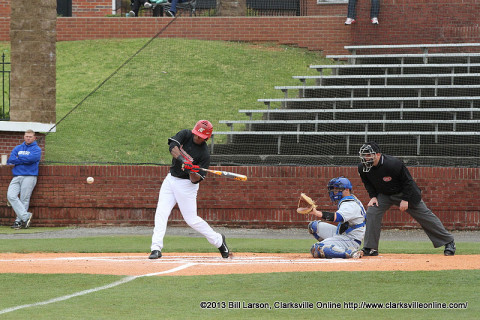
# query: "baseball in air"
{"type": "Point", "coordinates": [90, 180]}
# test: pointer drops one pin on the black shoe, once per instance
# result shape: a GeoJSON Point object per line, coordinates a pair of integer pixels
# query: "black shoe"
{"type": "Point", "coordinates": [224, 249]}
{"type": "Point", "coordinates": [17, 225]}
{"type": "Point", "coordinates": [450, 249]}
{"type": "Point", "coordinates": [370, 252]}
{"type": "Point", "coordinates": [155, 254]}
{"type": "Point", "coordinates": [170, 14]}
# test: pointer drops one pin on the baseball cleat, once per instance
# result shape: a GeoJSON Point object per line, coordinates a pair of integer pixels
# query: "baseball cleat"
{"type": "Point", "coordinates": [17, 225]}
{"type": "Point", "coordinates": [155, 254]}
{"type": "Point", "coordinates": [450, 249]}
{"type": "Point", "coordinates": [370, 252]}
{"type": "Point", "coordinates": [26, 224]}
{"type": "Point", "coordinates": [224, 249]}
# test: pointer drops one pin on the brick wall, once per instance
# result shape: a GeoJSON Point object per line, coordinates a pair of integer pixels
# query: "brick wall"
{"type": "Point", "coordinates": [5, 8]}
{"type": "Point", "coordinates": [308, 32]}
{"type": "Point", "coordinates": [91, 8]}
{"type": "Point", "coordinates": [419, 21]}
{"type": "Point", "coordinates": [8, 140]}
{"type": "Point", "coordinates": [80, 8]}
{"type": "Point", "coordinates": [127, 195]}
{"type": "Point", "coordinates": [401, 21]}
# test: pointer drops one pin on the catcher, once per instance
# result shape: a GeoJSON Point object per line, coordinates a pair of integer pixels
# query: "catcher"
{"type": "Point", "coordinates": [345, 239]}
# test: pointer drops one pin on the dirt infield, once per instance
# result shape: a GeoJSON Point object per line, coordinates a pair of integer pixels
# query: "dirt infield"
{"type": "Point", "coordinates": [134, 264]}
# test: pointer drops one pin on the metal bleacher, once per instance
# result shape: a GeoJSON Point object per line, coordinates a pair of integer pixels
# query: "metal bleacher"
{"type": "Point", "coordinates": [422, 107]}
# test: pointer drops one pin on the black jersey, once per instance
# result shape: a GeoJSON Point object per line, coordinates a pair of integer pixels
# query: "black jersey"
{"type": "Point", "coordinates": [199, 152]}
{"type": "Point", "coordinates": [390, 177]}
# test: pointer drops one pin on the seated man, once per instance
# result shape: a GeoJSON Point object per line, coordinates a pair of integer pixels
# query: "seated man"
{"type": "Point", "coordinates": [135, 4]}
{"type": "Point", "coordinates": [344, 240]}
{"type": "Point", "coordinates": [173, 7]}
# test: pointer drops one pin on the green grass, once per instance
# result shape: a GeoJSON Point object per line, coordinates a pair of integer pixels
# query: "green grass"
{"type": "Point", "coordinates": [121, 105]}
{"type": "Point", "coordinates": [166, 87]}
{"type": "Point", "coordinates": [190, 244]}
{"type": "Point", "coordinates": [9, 230]}
{"type": "Point", "coordinates": [180, 297]}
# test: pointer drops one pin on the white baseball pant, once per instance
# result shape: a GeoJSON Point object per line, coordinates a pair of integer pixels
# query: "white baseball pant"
{"type": "Point", "coordinates": [19, 193]}
{"type": "Point", "coordinates": [182, 191]}
{"type": "Point", "coordinates": [328, 233]}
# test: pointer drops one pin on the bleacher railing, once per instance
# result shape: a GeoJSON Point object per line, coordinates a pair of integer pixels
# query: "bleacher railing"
{"type": "Point", "coordinates": [254, 8]}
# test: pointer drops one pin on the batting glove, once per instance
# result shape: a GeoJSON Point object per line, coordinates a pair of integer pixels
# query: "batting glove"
{"type": "Point", "coordinates": [188, 165]}
{"type": "Point", "coordinates": [195, 168]}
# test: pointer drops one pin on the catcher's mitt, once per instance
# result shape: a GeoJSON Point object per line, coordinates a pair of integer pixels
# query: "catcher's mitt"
{"type": "Point", "coordinates": [305, 204]}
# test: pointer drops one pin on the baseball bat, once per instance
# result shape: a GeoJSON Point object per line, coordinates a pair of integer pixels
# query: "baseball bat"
{"type": "Point", "coordinates": [227, 174]}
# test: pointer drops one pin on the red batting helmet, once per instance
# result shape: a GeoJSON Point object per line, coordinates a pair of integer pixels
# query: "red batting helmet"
{"type": "Point", "coordinates": [203, 129]}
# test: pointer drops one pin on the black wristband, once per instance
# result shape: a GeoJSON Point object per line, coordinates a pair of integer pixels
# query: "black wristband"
{"type": "Point", "coordinates": [329, 216]}
{"type": "Point", "coordinates": [181, 158]}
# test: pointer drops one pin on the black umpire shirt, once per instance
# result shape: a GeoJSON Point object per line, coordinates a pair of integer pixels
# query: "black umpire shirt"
{"type": "Point", "coordinates": [389, 177]}
{"type": "Point", "coordinates": [184, 140]}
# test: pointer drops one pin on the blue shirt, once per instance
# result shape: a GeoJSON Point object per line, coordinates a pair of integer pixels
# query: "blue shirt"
{"type": "Point", "coordinates": [26, 158]}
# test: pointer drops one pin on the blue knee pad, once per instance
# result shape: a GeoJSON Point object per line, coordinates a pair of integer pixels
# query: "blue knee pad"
{"type": "Point", "coordinates": [312, 229]}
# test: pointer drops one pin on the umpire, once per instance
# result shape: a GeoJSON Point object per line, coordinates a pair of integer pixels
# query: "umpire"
{"type": "Point", "coordinates": [388, 182]}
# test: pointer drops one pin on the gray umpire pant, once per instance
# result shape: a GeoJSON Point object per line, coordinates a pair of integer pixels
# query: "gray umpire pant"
{"type": "Point", "coordinates": [23, 186]}
{"type": "Point", "coordinates": [430, 223]}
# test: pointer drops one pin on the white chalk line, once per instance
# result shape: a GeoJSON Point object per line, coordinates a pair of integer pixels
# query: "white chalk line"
{"type": "Point", "coordinates": [199, 260]}
{"type": "Point", "coordinates": [108, 286]}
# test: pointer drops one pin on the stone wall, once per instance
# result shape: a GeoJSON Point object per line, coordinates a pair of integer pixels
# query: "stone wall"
{"type": "Point", "coordinates": [33, 61]}
{"type": "Point", "coordinates": [231, 8]}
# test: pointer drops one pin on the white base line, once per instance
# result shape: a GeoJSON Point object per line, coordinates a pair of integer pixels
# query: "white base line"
{"type": "Point", "coordinates": [108, 286]}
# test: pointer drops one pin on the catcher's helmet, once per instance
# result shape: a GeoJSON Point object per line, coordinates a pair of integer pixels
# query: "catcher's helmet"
{"type": "Point", "coordinates": [340, 183]}
{"type": "Point", "coordinates": [203, 129]}
{"type": "Point", "coordinates": [367, 155]}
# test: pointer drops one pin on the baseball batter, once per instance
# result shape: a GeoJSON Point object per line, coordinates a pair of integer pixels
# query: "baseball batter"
{"type": "Point", "coordinates": [190, 152]}
{"type": "Point", "coordinates": [343, 240]}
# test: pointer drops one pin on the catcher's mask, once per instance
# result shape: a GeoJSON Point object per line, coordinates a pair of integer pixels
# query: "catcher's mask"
{"type": "Point", "coordinates": [367, 155]}
{"type": "Point", "coordinates": [203, 129]}
{"type": "Point", "coordinates": [336, 186]}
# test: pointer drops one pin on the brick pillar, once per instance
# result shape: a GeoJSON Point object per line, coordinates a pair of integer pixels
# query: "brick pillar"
{"type": "Point", "coordinates": [33, 61]}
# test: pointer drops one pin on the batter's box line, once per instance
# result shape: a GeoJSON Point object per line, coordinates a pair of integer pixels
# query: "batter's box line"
{"type": "Point", "coordinates": [209, 260]}
{"type": "Point", "coordinates": [204, 260]}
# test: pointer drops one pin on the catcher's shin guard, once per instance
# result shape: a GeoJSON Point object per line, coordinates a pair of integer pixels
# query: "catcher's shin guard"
{"type": "Point", "coordinates": [312, 229]}
{"type": "Point", "coordinates": [317, 250]}
{"type": "Point", "coordinates": [320, 250]}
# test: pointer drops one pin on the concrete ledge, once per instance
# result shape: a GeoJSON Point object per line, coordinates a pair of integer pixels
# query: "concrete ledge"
{"type": "Point", "coordinates": [16, 126]}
